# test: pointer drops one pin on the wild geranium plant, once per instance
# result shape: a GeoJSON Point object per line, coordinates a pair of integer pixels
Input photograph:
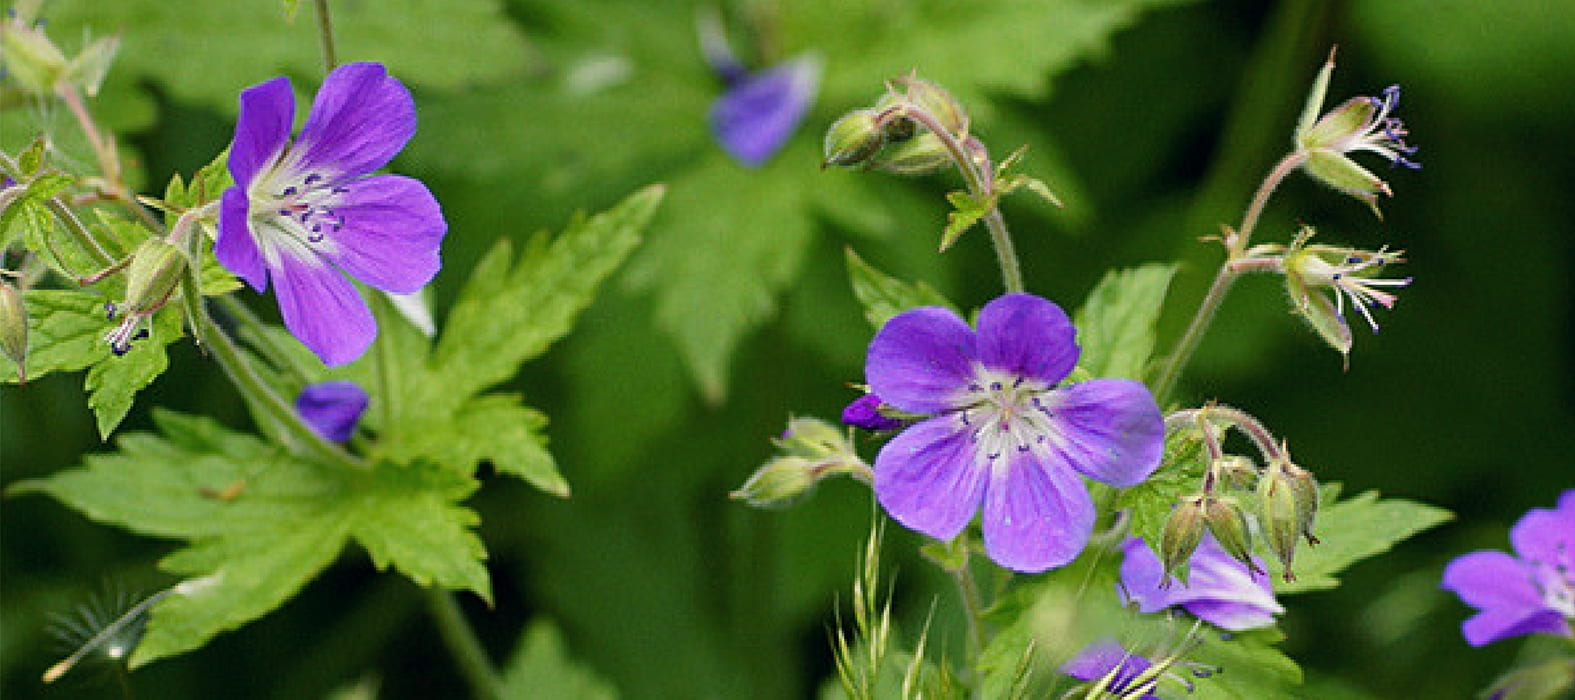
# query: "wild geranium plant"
{"type": "Point", "coordinates": [1111, 509]}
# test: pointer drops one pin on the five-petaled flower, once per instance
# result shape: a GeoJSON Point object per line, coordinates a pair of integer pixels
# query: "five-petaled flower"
{"type": "Point", "coordinates": [332, 409]}
{"type": "Point", "coordinates": [1002, 432]}
{"type": "Point", "coordinates": [306, 214]}
{"type": "Point", "coordinates": [1532, 591]}
{"type": "Point", "coordinates": [759, 111]}
{"type": "Point", "coordinates": [1218, 590]}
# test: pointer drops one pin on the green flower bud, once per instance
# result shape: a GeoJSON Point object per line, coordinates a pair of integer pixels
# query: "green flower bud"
{"type": "Point", "coordinates": [13, 328]}
{"type": "Point", "coordinates": [921, 155]}
{"type": "Point", "coordinates": [152, 276]}
{"type": "Point", "coordinates": [1236, 471]}
{"type": "Point", "coordinates": [1279, 515]}
{"type": "Point", "coordinates": [854, 138]}
{"type": "Point", "coordinates": [778, 483]}
{"type": "Point", "coordinates": [1228, 524]}
{"type": "Point", "coordinates": [90, 67]}
{"type": "Point", "coordinates": [937, 102]}
{"type": "Point", "coordinates": [1180, 537]}
{"type": "Point", "coordinates": [1305, 486]}
{"type": "Point", "coordinates": [31, 59]}
{"type": "Point", "coordinates": [814, 439]}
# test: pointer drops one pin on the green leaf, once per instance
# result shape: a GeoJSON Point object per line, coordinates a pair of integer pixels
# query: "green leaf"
{"type": "Point", "coordinates": [207, 52]}
{"type": "Point", "coordinates": [28, 211]}
{"type": "Point", "coordinates": [259, 523]}
{"type": "Point", "coordinates": [883, 296]}
{"type": "Point", "coordinates": [541, 668]}
{"type": "Point", "coordinates": [967, 210]}
{"type": "Point", "coordinates": [1352, 530]}
{"type": "Point", "coordinates": [494, 428]}
{"type": "Point", "coordinates": [1115, 327]}
{"type": "Point", "coordinates": [1250, 664]}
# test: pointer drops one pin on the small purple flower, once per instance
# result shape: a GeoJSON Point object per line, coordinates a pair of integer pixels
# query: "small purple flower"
{"type": "Point", "coordinates": [1219, 590]}
{"type": "Point", "coordinates": [1001, 432]}
{"type": "Point", "coordinates": [1531, 592]}
{"type": "Point", "coordinates": [1107, 657]}
{"type": "Point", "coordinates": [332, 408]}
{"type": "Point", "coordinates": [307, 214]}
{"type": "Point", "coordinates": [759, 111]}
{"type": "Point", "coordinates": [865, 413]}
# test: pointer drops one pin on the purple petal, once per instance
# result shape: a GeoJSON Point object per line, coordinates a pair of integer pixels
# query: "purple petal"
{"type": "Point", "coordinates": [865, 413]}
{"type": "Point", "coordinates": [1545, 535]}
{"type": "Point", "coordinates": [261, 130]}
{"type": "Point", "coordinates": [1108, 429]}
{"type": "Point", "coordinates": [1098, 659]}
{"type": "Point", "coordinates": [1027, 336]}
{"type": "Point", "coordinates": [1501, 587]}
{"type": "Point", "coordinates": [332, 408]}
{"type": "Point", "coordinates": [1219, 589]}
{"type": "Point", "coordinates": [359, 120]}
{"type": "Point", "coordinates": [758, 114]}
{"type": "Point", "coordinates": [392, 230]}
{"type": "Point", "coordinates": [235, 247]}
{"type": "Point", "coordinates": [323, 310]}
{"type": "Point", "coordinates": [922, 360]}
{"type": "Point", "coordinates": [1036, 516]}
{"type": "Point", "coordinates": [926, 478]}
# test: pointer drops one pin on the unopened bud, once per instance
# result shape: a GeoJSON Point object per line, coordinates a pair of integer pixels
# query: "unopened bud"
{"type": "Point", "coordinates": [1278, 516]}
{"type": "Point", "coordinates": [1180, 537]}
{"type": "Point", "coordinates": [778, 483]}
{"type": "Point", "coordinates": [921, 155]}
{"type": "Point", "coordinates": [937, 102]}
{"type": "Point", "coordinates": [813, 438]}
{"type": "Point", "coordinates": [865, 412]}
{"type": "Point", "coordinates": [1305, 486]}
{"type": "Point", "coordinates": [31, 59]}
{"type": "Point", "coordinates": [1236, 471]}
{"type": "Point", "coordinates": [1228, 524]}
{"type": "Point", "coordinates": [853, 139]}
{"type": "Point", "coordinates": [13, 328]}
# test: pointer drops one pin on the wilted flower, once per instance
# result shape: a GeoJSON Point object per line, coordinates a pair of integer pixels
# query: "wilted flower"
{"type": "Point", "coordinates": [1001, 432]}
{"type": "Point", "coordinates": [1532, 591]}
{"type": "Point", "coordinates": [305, 214]}
{"type": "Point", "coordinates": [1349, 275]}
{"type": "Point", "coordinates": [332, 409]}
{"type": "Point", "coordinates": [1360, 124]}
{"type": "Point", "coordinates": [759, 111]}
{"type": "Point", "coordinates": [152, 275]}
{"type": "Point", "coordinates": [1218, 590]}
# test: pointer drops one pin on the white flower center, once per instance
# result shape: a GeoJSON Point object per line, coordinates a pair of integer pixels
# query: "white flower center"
{"type": "Point", "coordinates": [295, 211]}
{"type": "Point", "coordinates": [1005, 413]}
{"type": "Point", "coordinates": [1556, 580]}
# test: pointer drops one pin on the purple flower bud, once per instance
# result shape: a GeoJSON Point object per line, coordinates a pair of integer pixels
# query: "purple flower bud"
{"type": "Point", "coordinates": [865, 413]}
{"type": "Point", "coordinates": [759, 111]}
{"type": "Point", "coordinates": [332, 408]}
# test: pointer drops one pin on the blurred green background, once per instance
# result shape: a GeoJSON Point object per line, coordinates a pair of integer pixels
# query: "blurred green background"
{"type": "Point", "coordinates": [1154, 120]}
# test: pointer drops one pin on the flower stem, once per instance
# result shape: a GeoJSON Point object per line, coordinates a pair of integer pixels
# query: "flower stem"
{"type": "Point", "coordinates": [462, 642]}
{"type": "Point", "coordinates": [980, 188]}
{"type": "Point", "coordinates": [968, 591]}
{"type": "Point", "coordinates": [1235, 247]}
{"type": "Point", "coordinates": [325, 35]}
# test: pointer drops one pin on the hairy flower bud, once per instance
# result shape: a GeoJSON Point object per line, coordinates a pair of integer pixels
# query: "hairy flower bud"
{"type": "Point", "coordinates": [1279, 516]}
{"type": "Point", "coordinates": [13, 328]}
{"type": "Point", "coordinates": [1305, 486]}
{"type": "Point", "coordinates": [1180, 537]}
{"type": "Point", "coordinates": [813, 438]}
{"type": "Point", "coordinates": [778, 483]}
{"type": "Point", "coordinates": [854, 138]}
{"type": "Point", "coordinates": [1228, 523]}
{"type": "Point", "coordinates": [31, 59]}
{"type": "Point", "coordinates": [935, 101]}
{"type": "Point", "coordinates": [1236, 471]}
{"type": "Point", "coordinates": [151, 279]}
{"type": "Point", "coordinates": [920, 155]}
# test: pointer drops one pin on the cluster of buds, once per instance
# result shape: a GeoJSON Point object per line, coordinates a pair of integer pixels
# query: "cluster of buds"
{"type": "Point", "coordinates": [1282, 496]}
{"type": "Point", "coordinates": [812, 450]}
{"type": "Point", "coordinates": [887, 136]}
{"type": "Point", "coordinates": [40, 67]}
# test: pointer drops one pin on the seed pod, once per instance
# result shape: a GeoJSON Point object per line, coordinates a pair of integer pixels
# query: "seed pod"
{"type": "Point", "coordinates": [13, 328]}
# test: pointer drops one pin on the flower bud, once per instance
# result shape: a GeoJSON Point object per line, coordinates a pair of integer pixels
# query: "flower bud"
{"type": "Point", "coordinates": [853, 139]}
{"type": "Point", "coordinates": [1305, 486]}
{"type": "Point", "coordinates": [778, 483]}
{"type": "Point", "coordinates": [90, 66]}
{"type": "Point", "coordinates": [865, 413]}
{"type": "Point", "coordinates": [152, 276]}
{"type": "Point", "coordinates": [13, 328]}
{"type": "Point", "coordinates": [921, 155]}
{"type": "Point", "coordinates": [937, 102]}
{"type": "Point", "coordinates": [1279, 515]}
{"type": "Point", "coordinates": [1236, 471]}
{"type": "Point", "coordinates": [813, 438]}
{"type": "Point", "coordinates": [1228, 524]}
{"type": "Point", "coordinates": [31, 59]}
{"type": "Point", "coordinates": [1180, 537]}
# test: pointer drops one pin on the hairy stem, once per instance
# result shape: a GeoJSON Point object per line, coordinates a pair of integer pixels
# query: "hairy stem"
{"type": "Point", "coordinates": [462, 642]}
{"type": "Point", "coordinates": [325, 35]}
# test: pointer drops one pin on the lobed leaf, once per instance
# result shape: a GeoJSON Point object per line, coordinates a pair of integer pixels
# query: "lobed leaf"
{"type": "Point", "coordinates": [883, 296]}
{"type": "Point", "coordinates": [1115, 327]}
{"type": "Point", "coordinates": [1354, 529]}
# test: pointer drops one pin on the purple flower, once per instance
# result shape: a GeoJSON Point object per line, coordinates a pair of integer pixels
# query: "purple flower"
{"type": "Point", "coordinates": [306, 214]}
{"type": "Point", "coordinates": [1219, 590]}
{"type": "Point", "coordinates": [865, 413]}
{"type": "Point", "coordinates": [1524, 594]}
{"type": "Point", "coordinates": [759, 111]}
{"type": "Point", "coordinates": [1001, 432]}
{"type": "Point", "coordinates": [332, 408]}
{"type": "Point", "coordinates": [1106, 657]}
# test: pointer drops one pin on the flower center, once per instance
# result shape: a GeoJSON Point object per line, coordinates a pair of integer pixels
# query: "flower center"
{"type": "Point", "coordinates": [1005, 412]}
{"type": "Point", "coordinates": [1556, 580]}
{"type": "Point", "coordinates": [301, 206]}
